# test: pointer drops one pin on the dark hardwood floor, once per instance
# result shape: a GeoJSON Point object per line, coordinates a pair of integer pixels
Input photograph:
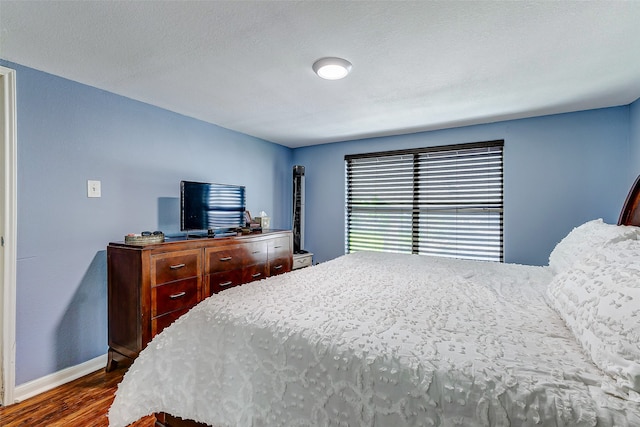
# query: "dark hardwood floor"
{"type": "Point", "coordinates": [83, 402]}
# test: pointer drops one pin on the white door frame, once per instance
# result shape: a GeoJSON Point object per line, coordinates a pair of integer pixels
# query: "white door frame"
{"type": "Point", "coordinates": [8, 143]}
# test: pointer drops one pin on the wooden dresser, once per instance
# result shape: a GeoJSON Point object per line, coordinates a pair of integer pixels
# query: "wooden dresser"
{"type": "Point", "coordinates": [151, 286]}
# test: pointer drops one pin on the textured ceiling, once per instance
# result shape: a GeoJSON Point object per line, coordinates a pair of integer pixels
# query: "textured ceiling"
{"type": "Point", "coordinates": [246, 65]}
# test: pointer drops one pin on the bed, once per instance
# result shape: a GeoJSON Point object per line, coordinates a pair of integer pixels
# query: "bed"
{"type": "Point", "coordinates": [372, 339]}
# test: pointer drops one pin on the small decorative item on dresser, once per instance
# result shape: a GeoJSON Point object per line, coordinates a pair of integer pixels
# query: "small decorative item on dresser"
{"type": "Point", "coordinates": [252, 223]}
{"type": "Point", "coordinates": [263, 220]}
{"type": "Point", "coordinates": [144, 238]}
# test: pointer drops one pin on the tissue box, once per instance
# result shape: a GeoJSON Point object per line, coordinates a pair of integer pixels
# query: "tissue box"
{"type": "Point", "coordinates": [264, 221]}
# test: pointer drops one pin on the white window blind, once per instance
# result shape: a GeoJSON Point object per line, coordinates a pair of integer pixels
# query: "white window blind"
{"type": "Point", "coordinates": [444, 201]}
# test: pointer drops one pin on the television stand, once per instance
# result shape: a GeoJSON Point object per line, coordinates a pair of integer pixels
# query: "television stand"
{"type": "Point", "coordinates": [150, 286]}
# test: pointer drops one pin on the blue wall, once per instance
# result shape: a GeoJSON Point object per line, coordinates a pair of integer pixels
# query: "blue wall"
{"type": "Point", "coordinates": [69, 133]}
{"type": "Point", "coordinates": [559, 171]}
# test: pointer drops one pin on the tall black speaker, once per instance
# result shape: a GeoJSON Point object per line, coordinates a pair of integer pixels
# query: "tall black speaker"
{"type": "Point", "coordinates": [298, 209]}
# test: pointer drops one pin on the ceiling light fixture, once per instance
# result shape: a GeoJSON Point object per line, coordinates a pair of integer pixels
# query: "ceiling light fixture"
{"type": "Point", "coordinates": [332, 68]}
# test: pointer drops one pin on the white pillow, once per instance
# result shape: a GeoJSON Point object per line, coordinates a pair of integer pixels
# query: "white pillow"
{"type": "Point", "coordinates": [583, 240]}
{"type": "Point", "coordinates": [599, 300]}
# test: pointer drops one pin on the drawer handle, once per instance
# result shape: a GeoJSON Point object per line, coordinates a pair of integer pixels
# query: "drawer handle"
{"type": "Point", "coordinates": [177, 266]}
{"type": "Point", "coordinates": [277, 267]}
{"type": "Point", "coordinates": [277, 247]}
{"type": "Point", "coordinates": [178, 295]}
{"type": "Point", "coordinates": [255, 252]}
{"type": "Point", "coordinates": [227, 258]}
{"type": "Point", "coordinates": [226, 283]}
{"type": "Point", "coordinates": [254, 275]}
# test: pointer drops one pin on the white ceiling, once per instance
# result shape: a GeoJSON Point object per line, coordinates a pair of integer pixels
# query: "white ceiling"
{"type": "Point", "coordinates": [246, 65]}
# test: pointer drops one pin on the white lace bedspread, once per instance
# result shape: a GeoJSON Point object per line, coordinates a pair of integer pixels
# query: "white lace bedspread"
{"type": "Point", "coordinates": [374, 340]}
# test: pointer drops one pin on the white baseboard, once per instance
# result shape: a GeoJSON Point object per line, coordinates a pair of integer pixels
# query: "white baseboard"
{"type": "Point", "coordinates": [46, 383]}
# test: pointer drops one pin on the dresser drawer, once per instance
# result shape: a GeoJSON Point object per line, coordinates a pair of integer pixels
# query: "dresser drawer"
{"type": "Point", "coordinates": [161, 322]}
{"type": "Point", "coordinates": [168, 267]}
{"type": "Point", "coordinates": [254, 272]}
{"type": "Point", "coordinates": [279, 266]}
{"type": "Point", "coordinates": [255, 253]}
{"type": "Point", "coordinates": [225, 258]}
{"type": "Point", "coordinates": [218, 282]}
{"type": "Point", "coordinates": [173, 296]}
{"type": "Point", "coordinates": [279, 247]}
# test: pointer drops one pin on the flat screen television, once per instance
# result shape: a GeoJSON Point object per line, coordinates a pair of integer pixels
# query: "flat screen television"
{"type": "Point", "coordinates": [216, 208]}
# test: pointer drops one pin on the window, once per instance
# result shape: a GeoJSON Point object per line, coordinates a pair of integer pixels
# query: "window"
{"type": "Point", "coordinates": [444, 201]}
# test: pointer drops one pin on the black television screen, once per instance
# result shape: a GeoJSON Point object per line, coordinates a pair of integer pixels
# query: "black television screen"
{"type": "Point", "coordinates": [211, 207]}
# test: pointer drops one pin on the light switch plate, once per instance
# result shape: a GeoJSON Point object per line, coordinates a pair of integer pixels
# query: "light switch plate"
{"type": "Point", "coordinates": [93, 189]}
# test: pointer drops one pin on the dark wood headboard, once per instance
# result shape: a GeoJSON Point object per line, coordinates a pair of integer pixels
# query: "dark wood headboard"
{"type": "Point", "coordinates": [630, 214]}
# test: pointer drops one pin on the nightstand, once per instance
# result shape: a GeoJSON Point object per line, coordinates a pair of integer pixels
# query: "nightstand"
{"type": "Point", "coordinates": [302, 260]}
